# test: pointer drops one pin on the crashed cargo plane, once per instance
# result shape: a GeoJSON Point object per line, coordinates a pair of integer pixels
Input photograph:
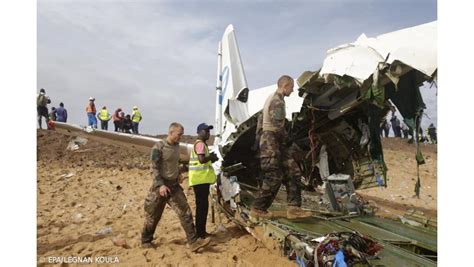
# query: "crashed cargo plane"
{"type": "Point", "coordinates": [339, 108]}
{"type": "Point", "coordinates": [334, 122]}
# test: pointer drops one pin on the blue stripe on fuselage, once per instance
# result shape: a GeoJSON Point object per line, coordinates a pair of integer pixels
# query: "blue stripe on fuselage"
{"type": "Point", "coordinates": [225, 78]}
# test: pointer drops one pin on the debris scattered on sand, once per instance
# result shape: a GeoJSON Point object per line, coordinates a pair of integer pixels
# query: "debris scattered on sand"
{"type": "Point", "coordinates": [76, 143]}
{"type": "Point", "coordinates": [66, 176]}
{"type": "Point", "coordinates": [104, 231]}
{"type": "Point", "coordinates": [78, 216]}
{"type": "Point", "coordinates": [119, 242]}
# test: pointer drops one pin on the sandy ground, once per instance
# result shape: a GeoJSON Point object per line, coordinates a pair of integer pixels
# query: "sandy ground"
{"type": "Point", "coordinates": [399, 196]}
{"type": "Point", "coordinates": [102, 187]}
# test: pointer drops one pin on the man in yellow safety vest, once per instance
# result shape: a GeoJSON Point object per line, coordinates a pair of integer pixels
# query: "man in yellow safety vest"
{"type": "Point", "coordinates": [136, 118]}
{"type": "Point", "coordinates": [166, 189]}
{"type": "Point", "coordinates": [201, 176]}
{"type": "Point", "coordinates": [104, 118]}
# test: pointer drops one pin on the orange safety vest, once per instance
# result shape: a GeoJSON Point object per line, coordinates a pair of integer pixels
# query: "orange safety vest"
{"type": "Point", "coordinates": [90, 108]}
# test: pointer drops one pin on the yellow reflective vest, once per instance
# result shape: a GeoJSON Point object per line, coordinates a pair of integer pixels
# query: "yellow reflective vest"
{"type": "Point", "coordinates": [104, 115]}
{"type": "Point", "coordinates": [200, 173]}
{"type": "Point", "coordinates": [136, 116]}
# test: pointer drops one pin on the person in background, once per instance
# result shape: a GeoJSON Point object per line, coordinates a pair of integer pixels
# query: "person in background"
{"type": "Point", "coordinates": [136, 118]}
{"type": "Point", "coordinates": [42, 101]}
{"type": "Point", "coordinates": [201, 176]}
{"type": "Point", "coordinates": [396, 126]}
{"type": "Point", "coordinates": [122, 115]}
{"type": "Point", "coordinates": [405, 130]}
{"type": "Point", "coordinates": [104, 118]}
{"type": "Point", "coordinates": [127, 124]}
{"type": "Point", "coordinates": [385, 127]}
{"type": "Point", "coordinates": [91, 112]}
{"type": "Point", "coordinates": [432, 133]}
{"type": "Point", "coordinates": [52, 115]}
{"type": "Point", "coordinates": [118, 120]}
{"type": "Point", "coordinates": [421, 137]}
{"type": "Point", "coordinates": [61, 113]}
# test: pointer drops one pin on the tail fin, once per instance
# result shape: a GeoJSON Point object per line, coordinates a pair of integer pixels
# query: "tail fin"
{"type": "Point", "coordinates": [232, 89]}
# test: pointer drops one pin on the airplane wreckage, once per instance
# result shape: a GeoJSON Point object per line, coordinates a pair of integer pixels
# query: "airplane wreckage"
{"type": "Point", "coordinates": [333, 124]}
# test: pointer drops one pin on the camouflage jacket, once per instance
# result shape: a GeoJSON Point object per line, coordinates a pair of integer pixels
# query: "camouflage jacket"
{"type": "Point", "coordinates": [274, 114]}
{"type": "Point", "coordinates": [165, 163]}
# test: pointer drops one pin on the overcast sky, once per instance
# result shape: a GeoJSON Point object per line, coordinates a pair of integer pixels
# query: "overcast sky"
{"type": "Point", "coordinates": [161, 55]}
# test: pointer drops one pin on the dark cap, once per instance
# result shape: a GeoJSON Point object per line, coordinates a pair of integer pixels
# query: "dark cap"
{"type": "Point", "coordinates": [42, 90]}
{"type": "Point", "coordinates": [204, 126]}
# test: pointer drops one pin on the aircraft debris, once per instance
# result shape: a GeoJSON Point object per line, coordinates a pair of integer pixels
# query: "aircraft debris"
{"type": "Point", "coordinates": [78, 216]}
{"type": "Point", "coordinates": [123, 208]}
{"type": "Point", "coordinates": [119, 241]}
{"type": "Point", "coordinates": [104, 231]}
{"type": "Point", "coordinates": [229, 188]}
{"type": "Point", "coordinates": [66, 176]}
{"type": "Point", "coordinates": [334, 123]}
{"type": "Point", "coordinates": [410, 222]}
{"type": "Point", "coordinates": [356, 248]}
{"type": "Point", "coordinates": [76, 143]}
{"type": "Point", "coordinates": [420, 218]}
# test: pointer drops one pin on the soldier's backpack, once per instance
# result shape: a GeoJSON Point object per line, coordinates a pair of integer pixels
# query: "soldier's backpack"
{"type": "Point", "coordinates": [42, 100]}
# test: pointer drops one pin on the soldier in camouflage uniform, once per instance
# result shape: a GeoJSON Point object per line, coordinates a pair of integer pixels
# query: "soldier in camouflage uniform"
{"type": "Point", "coordinates": [166, 189]}
{"type": "Point", "coordinates": [277, 165]}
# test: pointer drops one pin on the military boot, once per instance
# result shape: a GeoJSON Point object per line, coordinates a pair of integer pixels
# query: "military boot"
{"type": "Point", "coordinates": [294, 212]}
{"type": "Point", "coordinates": [256, 213]}
{"type": "Point", "coordinates": [200, 243]}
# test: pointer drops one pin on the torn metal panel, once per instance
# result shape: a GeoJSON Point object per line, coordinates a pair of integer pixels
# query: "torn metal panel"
{"type": "Point", "coordinates": [352, 60]}
{"type": "Point", "coordinates": [355, 84]}
{"type": "Point", "coordinates": [344, 105]}
{"type": "Point", "coordinates": [415, 47]}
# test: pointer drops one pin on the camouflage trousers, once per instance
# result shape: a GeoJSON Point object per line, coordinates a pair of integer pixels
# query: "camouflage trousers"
{"type": "Point", "coordinates": [277, 167]}
{"type": "Point", "coordinates": [154, 206]}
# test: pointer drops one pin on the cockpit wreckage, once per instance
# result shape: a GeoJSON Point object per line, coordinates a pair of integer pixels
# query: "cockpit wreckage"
{"type": "Point", "coordinates": [334, 127]}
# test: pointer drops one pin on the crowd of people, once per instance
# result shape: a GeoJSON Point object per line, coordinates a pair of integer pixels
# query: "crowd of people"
{"type": "Point", "coordinates": [400, 129]}
{"type": "Point", "coordinates": [122, 123]}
